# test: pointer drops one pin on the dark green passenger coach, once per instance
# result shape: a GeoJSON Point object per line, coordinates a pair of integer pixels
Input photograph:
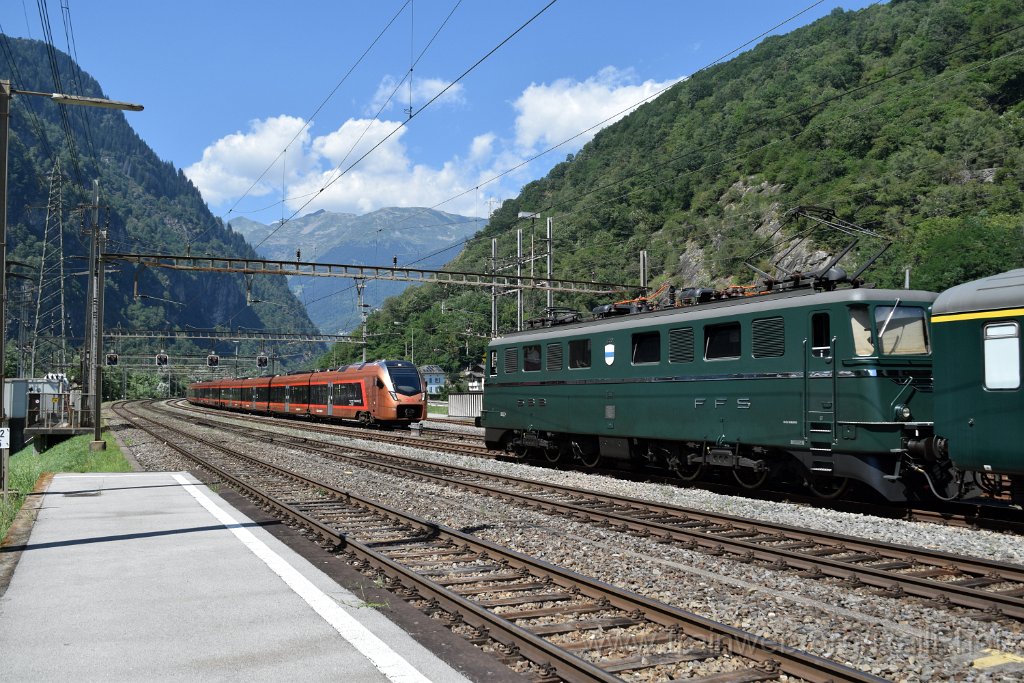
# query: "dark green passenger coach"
{"type": "Point", "coordinates": [979, 410]}
{"type": "Point", "coordinates": [821, 387]}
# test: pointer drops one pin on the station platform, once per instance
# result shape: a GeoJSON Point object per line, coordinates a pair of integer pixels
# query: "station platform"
{"type": "Point", "coordinates": [152, 576]}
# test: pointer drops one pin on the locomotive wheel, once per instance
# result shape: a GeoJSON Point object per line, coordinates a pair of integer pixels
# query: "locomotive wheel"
{"type": "Point", "coordinates": [517, 449]}
{"type": "Point", "coordinates": [750, 479]}
{"type": "Point", "coordinates": [828, 488]}
{"type": "Point", "coordinates": [589, 459]}
{"type": "Point", "coordinates": [685, 470]}
{"type": "Point", "coordinates": [554, 454]}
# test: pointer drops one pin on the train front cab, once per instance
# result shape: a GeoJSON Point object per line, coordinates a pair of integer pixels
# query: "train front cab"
{"type": "Point", "coordinates": [979, 412]}
{"type": "Point", "coordinates": [399, 393]}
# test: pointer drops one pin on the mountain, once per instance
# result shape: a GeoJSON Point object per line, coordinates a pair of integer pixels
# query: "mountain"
{"type": "Point", "coordinates": [415, 237]}
{"type": "Point", "coordinates": [906, 118]}
{"type": "Point", "coordinates": [147, 206]}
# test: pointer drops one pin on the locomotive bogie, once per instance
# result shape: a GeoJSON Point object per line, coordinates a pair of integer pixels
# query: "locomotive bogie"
{"type": "Point", "coordinates": [822, 384]}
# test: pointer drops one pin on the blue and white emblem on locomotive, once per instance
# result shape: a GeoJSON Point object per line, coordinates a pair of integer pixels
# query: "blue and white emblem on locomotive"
{"type": "Point", "coordinates": [609, 354]}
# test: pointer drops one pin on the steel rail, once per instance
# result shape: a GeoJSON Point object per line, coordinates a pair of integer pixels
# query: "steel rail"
{"type": "Point", "coordinates": [738, 530]}
{"type": "Point", "coordinates": [794, 662]}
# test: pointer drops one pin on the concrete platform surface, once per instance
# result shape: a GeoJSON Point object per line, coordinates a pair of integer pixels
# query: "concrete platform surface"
{"type": "Point", "coordinates": [151, 576]}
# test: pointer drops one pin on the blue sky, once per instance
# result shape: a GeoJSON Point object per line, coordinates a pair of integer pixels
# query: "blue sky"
{"type": "Point", "coordinates": [228, 85]}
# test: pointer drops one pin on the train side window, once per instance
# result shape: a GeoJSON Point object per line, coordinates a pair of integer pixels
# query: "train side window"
{"type": "Point", "coordinates": [1002, 356]}
{"type": "Point", "coordinates": [680, 345]}
{"type": "Point", "coordinates": [531, 358]}
{"type": "Point", "coordinates": [511, 360]}
{"type": "Point", "coordinates": [821, 336]}
{"type": "Point", "coordinates": [579, 353]}
{"type": "Point", "coordinates": [860, 326]}
{"type": "Point", "coordinates": [494, 363]}
{"type": "Point", "coordinates": [722, 341]}
{"type": "Point", "coordinates": [554, 357]}
{"type": "Point", "coordinates": [646, 347]}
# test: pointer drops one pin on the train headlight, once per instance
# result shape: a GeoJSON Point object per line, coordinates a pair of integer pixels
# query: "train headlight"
{"type": "Point", "coordinates": [903, 412]}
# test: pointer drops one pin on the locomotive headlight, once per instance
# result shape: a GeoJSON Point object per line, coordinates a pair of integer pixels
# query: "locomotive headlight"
{"type": "Point", "coordinates": [903, 412]}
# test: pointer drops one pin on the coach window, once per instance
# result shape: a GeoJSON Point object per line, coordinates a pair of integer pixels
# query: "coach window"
{"type": "Point", "coordinates": [860, 325]}
{"type": "Point", "coordinates": [579, 353]}
{"type": "Point", "coordinates": [1002, 356]}
{"type": "Point", "coordinates": [722, 341]}
{"type": "Point", "coordinates": [531, 358]}
{"type": "Point", "coordinates": [646, 347]}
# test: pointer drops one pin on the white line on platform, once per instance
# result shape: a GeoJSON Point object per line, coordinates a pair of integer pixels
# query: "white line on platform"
{"type": "Point", "coordinates": [387, 661]}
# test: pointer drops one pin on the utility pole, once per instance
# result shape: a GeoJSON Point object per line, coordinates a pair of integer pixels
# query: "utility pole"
{"type": "Point", "coordinates": [494, 287]}
{"type": "Point", "coordinates": [519, 282]}
{"type": "Point", "coordinates": [98, 444]}
{"type": "Point", "coordinates": [5, 433]}
{"type": "Point", "coordinates": [551, 247]}
{"type": "Point", "coordinates": [360, 286]}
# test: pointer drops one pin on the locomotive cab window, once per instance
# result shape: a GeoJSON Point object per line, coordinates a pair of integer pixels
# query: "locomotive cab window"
{"type": "Point", "coordinates": [1002, 356]}
{"type": "Point", "coordinates": [722, 341]}
{"type": "Point", "coordinates": [902, 330]}
{"type": "Point", "coordinates": [579, 353]}
{"type": "Point", "coordinates": [646, 347]}
{"type": "Point", "coordinates": [531, 358]}
{"type": "Point", "coordinates": [860, 327]}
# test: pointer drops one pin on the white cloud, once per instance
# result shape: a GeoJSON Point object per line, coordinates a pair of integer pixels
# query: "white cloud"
{"type": "Point", "coordinates": [551, 113]}
{"type": "Point", "coordinates": [546, 114]}
{"type": "Point", "coordinates": [390, 93]}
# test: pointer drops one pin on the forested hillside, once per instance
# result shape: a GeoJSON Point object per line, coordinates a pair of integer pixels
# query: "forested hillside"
{"type": "Point", "coordinates": [904, 118]}
{"type": "Point", "coordinates": [148, 206]}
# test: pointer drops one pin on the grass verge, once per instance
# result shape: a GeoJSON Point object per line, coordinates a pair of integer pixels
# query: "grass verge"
{"type": "Point", "coordinates": [72, 455]}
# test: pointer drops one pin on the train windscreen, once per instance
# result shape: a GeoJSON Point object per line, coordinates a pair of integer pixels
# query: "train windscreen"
{"type": "Point", "coordinates": [406, 380]}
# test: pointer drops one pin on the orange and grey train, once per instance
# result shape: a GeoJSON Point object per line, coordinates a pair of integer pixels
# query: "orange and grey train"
{"type": "Point", "coordinates": [385, 392]}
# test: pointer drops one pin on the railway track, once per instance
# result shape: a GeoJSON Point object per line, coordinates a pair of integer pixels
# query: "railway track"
{"type": "Point", "coordinates": [994, 589]}
{"type": "Point", "coordinates": [972, 515]}
{"type": "Point", "coordinates": [566, 626]}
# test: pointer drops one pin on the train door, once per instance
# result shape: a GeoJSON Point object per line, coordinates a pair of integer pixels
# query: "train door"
{"type": "Point", "coordinates": [287, 395]}
{"type": "Point", "coordinates": [820, 384]}
{"type": "Point", "coordinates": [371, 395]}
{"type": "Point", "coordinates": [252, 398]}
{"type": "Point", "coordinates": [330, 399]}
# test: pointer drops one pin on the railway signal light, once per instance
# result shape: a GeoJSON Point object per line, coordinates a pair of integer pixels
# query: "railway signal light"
{"type": "Point", "coordinates": [111, 359]}
{"type": "Point", "coordinates": [261, 361]}
{"type": "Point", "coordinates": [161, 360]}
{"type": "Point", "coordinates": [212, 360]}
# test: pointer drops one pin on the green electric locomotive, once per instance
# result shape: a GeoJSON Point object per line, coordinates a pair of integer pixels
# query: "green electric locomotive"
{"type": "Point", "coordinates": [979, 405]}
{"type": "Point", "coordinates": [820, 387]}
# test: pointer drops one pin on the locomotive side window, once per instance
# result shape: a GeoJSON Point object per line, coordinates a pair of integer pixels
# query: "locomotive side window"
{"type": "Point", "coordinates": [579, 353]}
{"type": "Point", "coordinates": [531, 358]}
{"type": "Point", "coordinates": [902, 330]}
{"type": "Point", "coordinates": [511, 360]}
{"type": "Point", "coordinates": [554, 357]}
{"type": "Point", "coordinates": [680, 345]}
{"type": "Point", "coordinates": [494, 363]}
{"type": "Point", "coordinates": [821, 336]}
{"type": "Point", "coordinates": [860, 325]}
{"type": "Point", "coordinates": [768, 337]}
{"type": "Point", "coordinates": [1002, 356]}
{"type": "Point", "coordinates": [646, 347]}
{"type": "Point", "coordinates": [722, 341]}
